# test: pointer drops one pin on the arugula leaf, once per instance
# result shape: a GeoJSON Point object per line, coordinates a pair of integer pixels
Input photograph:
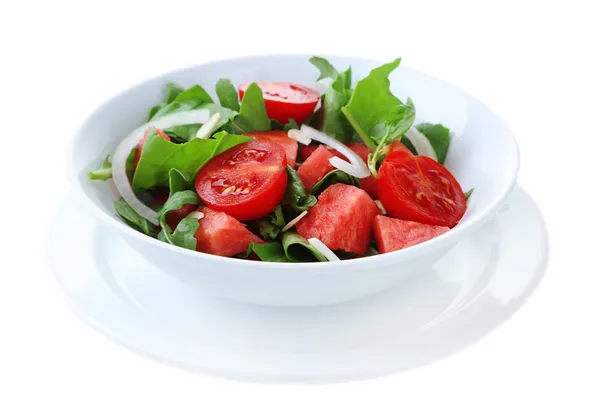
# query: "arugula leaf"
{"type": "Point", "coordinates": [178, 181]}
{"type": "Point", "coordinates": [270, 226]}
{"type": "Point", "coordinates": [253, 113]}
{"type": "Point", "coordinates": [439, 137]}
{"type": "Point", "coordinates": [330, 118]}
{"type": "Point", "coordinates": [185, 133]}
{"type": "Point", "coordinates": [184, 233]}
{"type": "Point", "coordinates": [374, 112]}
{"type": "Point", "coordinates": [469, 193]}
{"type": "Point", "coordinates": [270, 252]}
{"type": "Point", "coordinates": [173, 90]}
{"type": "Point", "coordinates": [175, 202]}
{"type": "Point", "coordinates": [297, 248]}
{"type": "Point", "coordinates": [333, 177]}
{"type": "Point", "coordinates": [409, 145]}
{"type": "Point", "coordinates": [104, 172]}
{"type": "Point", "coordinates": [327, 70]}
{"type": "Point", "coordinates": [291, 124]}
{"type": "Point", "coordinates": [159, 156]}
{"type": "Point", "coordinates": [186, 100]}
{"type": "Point", "coordinates": [133, 219]}
{"type": "Point", "coordinates": [227, 94]}
{"type": "Point", "coordinates": [295, 194]}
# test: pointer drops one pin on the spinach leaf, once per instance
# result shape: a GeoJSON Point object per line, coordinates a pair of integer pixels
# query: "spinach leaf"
{"type": "Point", "coordinates": [439, 137]}
{"type": "Point", "coordinates": [159, 156]}
{"type": "Point", "coordinates": [333, 177]}
{"type": "Point", "coordinates": [271, 252]}
{"type": "Point", "coordinates": [185, 133]}
{"type": "Point", "coordinates": [291, 124]}
{"type": "Point", "coordinates": [178, 181]}
{"type": "Point", "coordinates": [175, 202]}
{"type": "Point", "coordinates": [297, 248]}
{"type": "Point", "coordinates": [253, 113]}
{"type": "Point", "coordinates": [133, 219]}
{"type": "Point", "coordinates": [173, 90]}
{"type": "Point", "coordinates": [469, 193]}
{"type": "Point", "coordinates": [330, 118]}
{"type": "Point", "coordinates": [184, 233]}
{"type": "Point", "coordinates": [327, 70]}
{"type": "Point", "coordinates": [374, 112]}
{"type": "Point", "coordinates": [227, 94]}
{"type": "Point", "coordinates": [295, 194]}
{"type": "Point", "coordinates": [104, 172]}
{"type": "Point", "coordinates": [186, 100]}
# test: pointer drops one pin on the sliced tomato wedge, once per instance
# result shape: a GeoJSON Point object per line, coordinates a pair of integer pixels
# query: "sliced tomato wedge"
{"type": "Point", "coordinates": [247, 181]}
{"type": "Point", "coordinates": [138, 152]}
{"type": "Point", "coordinates": [280, 137]}
{"type": "Point", "coordinates": [315, 167]}
{"type": "Point", "coordinates": [222, 235]}
{"type": "Point", "coordinates": [395, 234]}
{"type": "Point", "coordinates": [286, 100]}
{"type": "Point", "coordinates": [342, 219]}
{"type": "Point", "coordinates": [420, 189]}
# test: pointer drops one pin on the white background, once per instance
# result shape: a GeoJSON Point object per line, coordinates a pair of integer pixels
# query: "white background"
{"type": "Point", "coordinates": [536, 64]}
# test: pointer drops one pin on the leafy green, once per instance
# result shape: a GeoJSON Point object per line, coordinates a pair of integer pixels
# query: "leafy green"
{"type": "Point", "coordinates": [333, 177]}
{"type": "Point", "coordinates": [173, 90]}
{"type": "Point", "coordinates": [439, 137]}
{"type": "Point", "coordinates": [270, 252]}
{"type": "Point", "coordinates": [297, 248]}
{"type": "Point", "coordinates": [227, 94]}
{"type": "Point", "coordinates": [327, 70]}
{"type": "Point", "coordinates": [330, 118]}
{"type": "Point", "coordinates": [374, 112]}
{"type": "Point", "coordinates": [184, 233]}
{"type": "Point", "coordinates": [291, 124]}
{"type": "Point", "coordinates": [469, 193]}
{"type": "Point", "coordinates": [104, 172]}
{"type": "Point", "coordinates": [159, 156]}
{"type": "Point", "coordinates": [253, 113]}
{"type": "Point", "coordinates": [186, 100]}
{"type": "Point", "coordinates": [133, 219]}
{"type": "Point", "coordinates": [295, 194]}
{"type": "Point", "coordinates": [270, 226]}
{"type": "Point", "coordinates": [175, 202]}
{"type": "Point", "coordinates": [185, 133]}
{"type": "Point", "coordinates": [178, 181]}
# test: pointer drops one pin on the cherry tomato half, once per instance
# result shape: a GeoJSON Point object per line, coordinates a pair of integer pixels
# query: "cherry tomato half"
{"type": "Point", "coordinates": [281, 138]}
{"type": "Point", "coordinates": [246, 181]}
{"type": "Point", "coordinates": [420, 189]}
{"type": "Point", "coordinates": [286, 100]}
{"type": "Point", "coordinates": [138, 152]}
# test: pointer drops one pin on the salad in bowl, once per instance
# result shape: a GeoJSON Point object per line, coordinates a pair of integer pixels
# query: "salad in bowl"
{"type": "Point", "coordinates": [284, 172]}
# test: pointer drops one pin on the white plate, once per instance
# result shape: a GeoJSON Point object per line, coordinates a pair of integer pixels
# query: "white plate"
{"type": "Point", "coordinates": [472, 290]}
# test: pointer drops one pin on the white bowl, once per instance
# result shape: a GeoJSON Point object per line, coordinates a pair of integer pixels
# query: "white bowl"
{"type": "Point", "coordinates": [483, 155]}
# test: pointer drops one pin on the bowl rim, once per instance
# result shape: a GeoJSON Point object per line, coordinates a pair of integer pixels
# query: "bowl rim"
{"type": "Point", "coordinates": [432, 245]}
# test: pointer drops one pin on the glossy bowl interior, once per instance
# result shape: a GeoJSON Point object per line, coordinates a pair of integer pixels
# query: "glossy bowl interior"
{"type": "Point", "coordinates": [482, 155]}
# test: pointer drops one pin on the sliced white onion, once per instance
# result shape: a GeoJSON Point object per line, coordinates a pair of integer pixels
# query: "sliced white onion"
{"type": "Point", "coordinates": [294, 221]}
{"type": "Point", "coordinates": [323, 85]}
{"type": "Point", "coordinates": [195, 214]}
{"type": "Point", "coordinates": [381, 207]}
{"type": "Point", "coordinates": [119, 172]}
{"type": "Point", "coordinates": [207, 129]}
{"type": "Point", "coordinates": [421, 143]}
{"type": "Point", "coordinates": [356, 167]}
{"type": "Point", "coordinates": [113, 188]}
{"type": "Point", "coordinates": [299, 136]}
{"type": "Point", "coordinates": [321, 248]}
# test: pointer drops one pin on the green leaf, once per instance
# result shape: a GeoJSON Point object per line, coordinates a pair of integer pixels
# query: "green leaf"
{"type": "Point", "coordinates": [270, 226]}
{"type": "Point", "coordinates": [330, 118]}
{"type": "Point", "coordinates": [439, 137]}
{"type": "Point", "coordinates": [173, 90]}
{"type": "Point", "coordinates": [178, 181]}
{"type": "Point", "coordinates": [253, 113]}
{"type": "Point", "coordinates": [333, 177]}
{"type": "Point", "coordinates": [295, 194]}
{"type": "Point", "coordinates": [104, 172]}
{"type": "Point", "coordinates": [184, 233]}
{"type": "Point", "coordinates": [469, 193]}
{"type": "Point", "coordinates": [297, 248]}
{"type": "Point", "coordinates": [374, 112]}
{"type": "Point", "coordinates": [159, 156]}
{"type": "Point", "coordinates": [291, 125]}
{"type": "Point", "coordinates": [175, 202]}
{"type": "Point", "coordinates": [327, 70]}
{"type": "Point", "coordinates": [133, 219]}
{"type": "Point", "coordinates": [186, 100]}
{"type": "Point", "coordinates": [227, 94]}
{"type": "Point", "coordinates": [270, 252]}
{"type": "Point", "coordinates": [185, 133]}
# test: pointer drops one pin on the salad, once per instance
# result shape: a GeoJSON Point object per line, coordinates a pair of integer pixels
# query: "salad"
{"type": "Point", "coordinates": [282, 172]}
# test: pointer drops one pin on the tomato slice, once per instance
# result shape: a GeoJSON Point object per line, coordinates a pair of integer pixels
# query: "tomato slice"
{"type": "Point", "coordinates": [222, 235]}
{"type": "Point", "coordinates": [286, 100]}
{"type": "Point", "coordinates": [280, 137]}
{"type": "Point", "coordinates": [138, 152]}
{"type": "Point", "coordinates": [420, 189]}
{"type": "Point", "coordinates": [342, 219]}
{"type": "Point", "coordinates": [395, 234]}
{"type": "Point", "coordinates": [247, 181]}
